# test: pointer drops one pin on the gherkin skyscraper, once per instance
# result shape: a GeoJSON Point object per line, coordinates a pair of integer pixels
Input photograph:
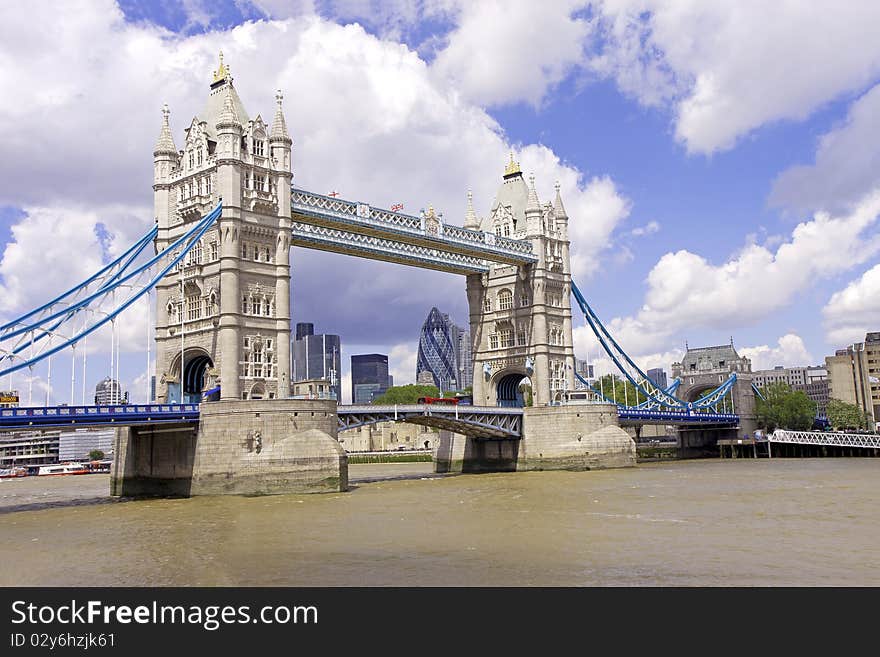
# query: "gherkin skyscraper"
{"type": "Point", "coordinates": [440, 347]}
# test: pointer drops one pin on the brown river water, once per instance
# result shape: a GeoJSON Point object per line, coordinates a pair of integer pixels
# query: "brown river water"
{"type": "Point", "coordinates": [740, 522]}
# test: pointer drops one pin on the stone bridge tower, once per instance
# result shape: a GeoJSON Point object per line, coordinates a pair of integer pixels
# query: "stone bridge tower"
{"type": "Point", "coordinates": [703, 369]}
{"type": "Point", "coordinates": [520, 317]}
{"type": "Point", "coordinates": [226, 311]}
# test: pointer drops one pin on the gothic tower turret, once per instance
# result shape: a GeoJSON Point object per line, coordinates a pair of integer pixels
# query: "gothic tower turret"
{"type": "Point", "coordinates": [223, 317]}
{"type": "Point", "coordinates": [521, 317]}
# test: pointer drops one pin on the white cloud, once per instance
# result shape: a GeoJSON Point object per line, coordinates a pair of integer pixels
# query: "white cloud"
{"type": "Point", "coordinates": [648, 229]}
{"type": "Point", "coordinates": [854, 310]}
{"type": "Point", "coordinates": [847, 163]}
{"type": "Point", "coordinates": [790, 351]}
{"type": "Point", "coordinates": [402, 362]}
{"type": "Point", "coordinates": [512, 51]}
{"type": "Point", "coordinates": [728, 68]}
{"type": "Point", "coordinates": [686, 291]}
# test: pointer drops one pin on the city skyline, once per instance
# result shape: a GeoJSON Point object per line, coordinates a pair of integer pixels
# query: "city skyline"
{"type": "Point", "coordinates": [618, 137]}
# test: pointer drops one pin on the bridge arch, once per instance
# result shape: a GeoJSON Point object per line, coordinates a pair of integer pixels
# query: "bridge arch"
{"type": "Point", "coordinates": [196, 364]}
{"type": "Point", "coordinates": [508, 384]}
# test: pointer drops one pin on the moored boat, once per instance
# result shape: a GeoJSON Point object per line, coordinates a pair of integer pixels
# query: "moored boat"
{"type": "Point", "coordinates": [63, 469]}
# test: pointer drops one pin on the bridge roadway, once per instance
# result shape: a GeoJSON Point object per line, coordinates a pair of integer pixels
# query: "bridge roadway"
{"type": "Point", "coordinates": [478, 421]}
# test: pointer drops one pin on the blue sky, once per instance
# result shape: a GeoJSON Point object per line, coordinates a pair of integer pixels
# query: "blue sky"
{"type": "Point", "coordinates": [693, 168]}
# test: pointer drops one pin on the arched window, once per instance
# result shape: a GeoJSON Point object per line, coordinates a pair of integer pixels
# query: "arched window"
{"type": "Point", "coordinates": [505, 300]}
{"type": "Point", "coordinates": [199, 156]}
{"type": "Point", "coordinates": [244, 305]}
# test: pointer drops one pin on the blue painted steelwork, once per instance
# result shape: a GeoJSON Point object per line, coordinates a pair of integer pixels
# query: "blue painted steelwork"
{"type": "Point", "coordinates": [185, 242]}
{"type": "Point", "coordinates": [758, 393]}
{"type": "Point", "coordinates": [478, 421]}
{"type": "Point", "coordinates": [131, 253]}
{"type": "Point", "coordinates": [656, 396]}
{"type": "Point", "coordinates": [676, 417]}
{"type": "Point", "coordinates": [84, 416]}
{"type": "Point", "coordinates": [361, 218]}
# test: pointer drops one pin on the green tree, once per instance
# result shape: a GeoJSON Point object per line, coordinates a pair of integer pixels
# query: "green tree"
{"type": "Point", "coordinates": [408, 394]}
{"type": "Point", "coordinates": [843, 415]}
{"type": "Point", "coordinates": [784, 408]}
{"type": "Point", "coordinates": [619, 389]}
{"type": "Point", "coordinates": [96, 455]}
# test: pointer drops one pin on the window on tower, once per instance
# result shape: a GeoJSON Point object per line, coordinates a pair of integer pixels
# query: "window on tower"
{"type": "Point", "coordinates": [505, 300]}
{"type": "Point", "coordinates": [259, 147]}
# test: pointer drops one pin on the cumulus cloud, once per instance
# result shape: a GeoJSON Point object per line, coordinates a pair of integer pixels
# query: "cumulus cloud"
{"type": "Point", "coordinates": [790, 351]}
{"type": "Point", "coordinates": [854, 310]}
{"type": "Point", "coordinates": [726, 69]}
{"type": "Point", "coordinates": [402, 362]}
{"type": "Point", "coordinates": [525, 48]}
{"type": "Point", "coordinates": [846, 164]}
{"type": "Point", "coordinates": [686, 291]}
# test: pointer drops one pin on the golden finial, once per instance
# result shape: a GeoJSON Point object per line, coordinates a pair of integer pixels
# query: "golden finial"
{"type": "Point", "coordinates": [512, 167]}
{"type": "Point", "coordinates": [222, 71]}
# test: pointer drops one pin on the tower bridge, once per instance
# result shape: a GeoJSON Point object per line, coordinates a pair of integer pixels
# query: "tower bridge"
{"type": "Point", "coordinates": [226, 219]}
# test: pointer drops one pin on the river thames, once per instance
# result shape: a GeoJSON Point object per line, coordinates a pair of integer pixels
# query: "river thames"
{"type": "Point", "coordinates": [740, 522]}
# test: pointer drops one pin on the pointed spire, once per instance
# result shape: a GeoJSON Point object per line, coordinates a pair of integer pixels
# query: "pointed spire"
{"type": "Point", "coordinates": [222, 71]}
{"type": "Point", "coordinates": [165, 142]}
{"type": "Point", "coordinates": [228, 116]}
{"type": "Point", "coordinates": [558, 208]}
{"type": "Point", "coordinates": [470, 217]}
{"type": "Point", "coordinates": [279, 125]}
{"type": "Point", "coordinates": [512, 168]}
{"type": "Point", "coordinates": [533, 204]}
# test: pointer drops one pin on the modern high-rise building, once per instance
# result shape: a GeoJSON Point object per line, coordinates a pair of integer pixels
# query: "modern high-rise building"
{"type": "Point", "coordinates": [369, 377]}
{"type": "Point", "coordinates": [658, 376]}
{"type": "Point", "coordinates": [445, 352]}
{"type": "Point", "coordinates": [316, 357]}
{"type": "Point", "coordinates": [109, 392]}
{"type": "Point", "coordinates": [793, 376]}
{"type": "Point", "coordinates": [583, 368]}
{"type": "Point", "coordinates": [854, 375]}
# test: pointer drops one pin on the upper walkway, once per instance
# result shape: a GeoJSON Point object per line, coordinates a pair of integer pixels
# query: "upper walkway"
{"type": "Point", "coordinates": [333, 224]}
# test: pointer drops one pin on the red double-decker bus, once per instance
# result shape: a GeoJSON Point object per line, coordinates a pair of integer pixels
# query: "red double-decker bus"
{"type": "Point", "coordinates": [438, 400]}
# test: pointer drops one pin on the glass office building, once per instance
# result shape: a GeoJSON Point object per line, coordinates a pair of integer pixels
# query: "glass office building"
{"type": "Point", "coordinates": [316, 357]}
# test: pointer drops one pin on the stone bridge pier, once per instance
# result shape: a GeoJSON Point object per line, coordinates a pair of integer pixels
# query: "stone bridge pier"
{"type": "Point", "coordinates": [238, 447]}
{"type": "Point", "coordinates": [570, 437]}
